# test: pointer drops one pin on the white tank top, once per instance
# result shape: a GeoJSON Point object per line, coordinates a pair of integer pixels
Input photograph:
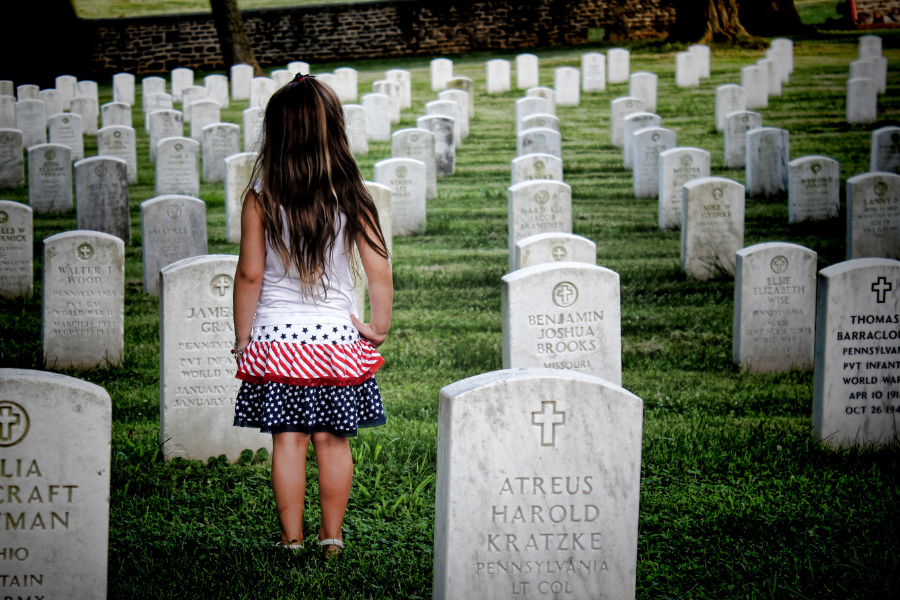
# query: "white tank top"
{"type": "Point", "coordinates": [282, 301]}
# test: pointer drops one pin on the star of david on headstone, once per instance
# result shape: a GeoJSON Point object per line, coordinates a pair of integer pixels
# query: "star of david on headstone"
{"type": "Point", "coordinates": [881, 288]}
{"type": "Point", "coordinates": [548, 418]}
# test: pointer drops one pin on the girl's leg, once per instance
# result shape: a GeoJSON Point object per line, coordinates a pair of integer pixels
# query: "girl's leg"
{"type": "Point", "coordinates": [335, 477]}
{"type": "Point", "coordinates": [289, 482]}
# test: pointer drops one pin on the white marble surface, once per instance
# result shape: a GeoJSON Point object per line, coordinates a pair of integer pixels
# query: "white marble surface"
{"type": "Point", "coordinates": [238, 169]}
{"type": "Point", "coordinates": [50, 178]}
{"type": "Point", "coordinates": [768, 155]}
{"type": "Point", "coordinates": [554, 247]}
{"type": "Point", "coordinates": [101, 196]}
{"type": "Point", "coordinates": [120, 141]}
{"type": "Point", "coordinates": [618, 110]}
{"type": "Point", "coordinates": [178, 167]}
{"type": "Point", "coordinates": [172, 228]}
{"type": "Point", "coordinates": [17, 259]}
{"type": "Point", "coordinates": [873, 216]}
{"type": "Point", "coordinates": [538, 206]}
{"type": "Point", "coordinates": [406, 179]}
{"type": "Point", "coordinates": [536, 166]}
{"type": "Point", "coordinates": [712, 226]}
{"type": "Point", "coordinates": [814, 189]}
{"type": "Point", "coordinates": [418, 144]}
{"type": "Point", "coordinates": [676, 167]}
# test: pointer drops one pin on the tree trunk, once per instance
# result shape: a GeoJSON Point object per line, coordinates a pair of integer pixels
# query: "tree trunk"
{"type": "Point", "coordinates": [770, 17]}
{"type": "Point", "coordinates": [233, 35]}
{"type": "Point", "coordinates": [708, 21]}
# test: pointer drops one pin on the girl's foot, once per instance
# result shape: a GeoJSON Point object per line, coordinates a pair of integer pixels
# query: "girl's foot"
{"type": "Point", "coordinates": [331, 547]}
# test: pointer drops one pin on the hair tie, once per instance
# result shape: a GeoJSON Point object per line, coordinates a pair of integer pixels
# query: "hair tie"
{"type": "Point", "coordinates": [298, 78]}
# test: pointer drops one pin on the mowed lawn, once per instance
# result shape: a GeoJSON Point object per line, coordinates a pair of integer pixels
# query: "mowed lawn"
{"type": "Point", "coordinates": [737, 499]}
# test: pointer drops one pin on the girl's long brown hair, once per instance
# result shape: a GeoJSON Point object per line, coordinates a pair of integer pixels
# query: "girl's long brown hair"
{"type": "Point", "coordinates": [306, 167]}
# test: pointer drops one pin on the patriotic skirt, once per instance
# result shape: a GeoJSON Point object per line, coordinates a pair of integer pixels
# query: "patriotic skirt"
{"type": "Point", "coordinates": [309, 378]}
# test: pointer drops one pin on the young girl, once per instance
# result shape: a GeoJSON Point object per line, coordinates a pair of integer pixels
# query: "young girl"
{"type": "Point", "coordinates": [306, 360]}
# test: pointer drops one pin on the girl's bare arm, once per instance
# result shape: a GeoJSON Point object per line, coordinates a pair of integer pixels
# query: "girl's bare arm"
{"type": "Point", "coordinates": [250, 268]}
{"type": "Point", "coordinates": [381, 294]}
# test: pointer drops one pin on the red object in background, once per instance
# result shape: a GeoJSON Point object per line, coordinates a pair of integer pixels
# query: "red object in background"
{"type": "Point", "coordinates": [875, 14]}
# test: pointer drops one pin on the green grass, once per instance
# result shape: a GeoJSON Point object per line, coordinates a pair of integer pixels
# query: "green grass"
{"type": "Point", "coordinates": [737, 500]}
{"type": "Point", "coordinates": [113, 9]}
{"type": "Point", "coordinates": [816, 12]}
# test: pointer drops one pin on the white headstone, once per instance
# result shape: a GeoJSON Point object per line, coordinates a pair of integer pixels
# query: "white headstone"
{"type": "Point", "coordinates": [536, 166]}
{"type": "Point", "coordinates": [729, 98]}
{"type": "Point", "coordinates": [687, 72]}
{"type": "Point", "coordinates": [172, 228]}
{"type": "Point", "coordinates": [462, 99]}
{"type": "Point", "coordinates": [618, 110]}
{"type": "Point", "coordinates": [150, 85]}
{"type": "Point", "coordinates": [543, 92]}
{"type": "Point", "coordinates": [781, 65]}
{"type": "Point", "coordinates": [89, 111]}
{"type": "Point", "coordinates": [238, 169]}
{"type": "Point", "coordinates": [881, 70]}
{"type": "Point", "coordinates": [755, 81]}
{"type": "Point", "coordinates": [7, 112]}
{"type": "Point", "coordinates": [537, 206]}
{"type": "Point", "coordinates": [418, 144]}
{"type": "Point", "coordinates": [65, 129]}
{"type": "Point", "coordinates": [593, 72]}
{"type": "Point", "coordinates": [163, 124]}
{"type": "Point", "coordinates": [181, 79]}
{"type": "Point", "coordinates": [774, 308]}
{"type": "Point", "coordinates": [873, 216]}
{"type": "Point", "coordinates": [642, 85]}
{"type": "Point", "coordinates": [16, 249]}
{"type": "Point", "coordinates": [12, 159]}
{"type": "Point", "coordinates": [498, 74]}
{"type": "Point", "coordinates": [676, 167]}
{"type": "Point", "coordinates": [217, 89]}
{"type": "Point", "coordinates": [123, 88]}
{"type": "Point", "coordinates": [156, 102]}
{"type": "Point", "coordinates": [101, 196]}
{"type": "Point", "coordinates": [56, 438]}
{"type": "Point", "coordinates": [857, 380]}
{"type": "Point", "coordinates": [254, 121]}
{"type": "Point", "coordinates": [444, 146]}
{"type": "Point", "coordinates": [540, 120]}
{"type": "Point", "coordinates": [348, 84]}
{"type": "Point", "coordinates": [7, 88]}
{"type": "Point", "coordinates": [774, 74]}
{"type": "Point", "coordinates": [648, 143]}
{"type": "Point", "coordinates": [540, 140]}
{"type": "Point", "coordinates": [700, 52]}
{"type": "Point", "coordinates": [530, 105]}
{"type": "Point", "coordinates": [281, 77]}
{"type": "Point", "coordinates": [447, 108]}
{"type": "Point", "coordinates": [261, 89]}
{"type": "Point", "coordinates": [403, 79]}
{"type": "Point", "coordinates": [572, 430]}
{"type": "Point", "coordinates": [52, 100]}
{"type": "Point", "coordinates": [630, 124]}
{"type": "Point", "coordinates": [50, 178]}
{"type": "Point", "coordinates": [197, 386]}
{"type": "Point", "coordinates": [178, 167]}
{"type": "Point", "coordinates": [467, 85]}
{"type": "Point", "coordinates": [328, 79]}
{"type": "Point", "coordinates": [378, 116]}
{"type": "Point", "coordinates": [563, 315]}
{"type": "Point", "coordinates": [220, 140]}
{"type": "Point", "coordinates": [712, 226]}
{"type": "Point", "coordinates": [119, 141]}
{"type": "Point", "coordinates": [31, 120]}
{"type": "Point", "coordinates": [785, 48]}
{"type": "Point", "coordinates": [203, 113]}
{"type": "Point", "coordinates": [115, 113]}
{"type": "Point", "coordinates": [441, 73]}
{"type": "Point", "coordinates": [768, 155]}
{"type": "Point", "coordinates": [27, 92]}
{"type": "Point", "coordinates": [737, 124]}
{"type": "Point", "coordinates": [527, 71]}
{"type": "Point", "coordinates": [241, 75]}
{"type": "Point", "coordinates": [406, 178]}
{"type": "Point", "coordinates": [68, 86]}
{"type": "Point", "coordinates": [189, 95]}
{"type": "Point", "coordinates": [885, 153]}
{"type": "Point", "coordinates": [299, 66]}
{"type": "Point", "coordinates": [355, 126]}
{"type": "Point", "coordinates": [87, 89]}
{"type": "Point", "coordinates": [862, 101]}
{"type": "Point", "coordinates": [553, 248]}
{"type": "Point", "coordinates": [869, 45]}
{"type": "Point", "coordinates": [567, 84]}
{"type": "Point", "coordinates": [83, 300]}
{"type": "Point", "coordinates": [619, 64]}
{"type": "Point", "coordinates": [814, 191]}
{"type": "Point", "coordinates": [391, 89]}
{"type": "Point", "coordinates": [863, 69]}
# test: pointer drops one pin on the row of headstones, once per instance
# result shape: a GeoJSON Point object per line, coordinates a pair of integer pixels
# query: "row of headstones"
{"type": "Point", "coordinates": [867, 79]}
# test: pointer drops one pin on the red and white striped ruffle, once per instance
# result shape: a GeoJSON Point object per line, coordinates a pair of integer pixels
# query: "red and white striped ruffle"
{"type": "Point", "coordinates": [309, 364]}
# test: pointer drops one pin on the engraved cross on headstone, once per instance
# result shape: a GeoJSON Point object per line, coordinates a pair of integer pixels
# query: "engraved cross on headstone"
{"type": "Point", "coordinates": [559, 253]}
{"type": "Point", "coordinates": [84, 251]}
{"type": "Point", "coordinates": [548, 419]}
{"type": "Point", "coordinates": [881, 288]}
{"type": "Point", "coordinates": [7, 420]}
{"type": "Point", "coordinates": [564, 292]}
{"type": "Point", "coordinates": [222, 284]}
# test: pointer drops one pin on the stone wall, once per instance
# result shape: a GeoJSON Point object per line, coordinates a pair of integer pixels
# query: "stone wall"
{"type": "Point", "coordinates": [144, 45]}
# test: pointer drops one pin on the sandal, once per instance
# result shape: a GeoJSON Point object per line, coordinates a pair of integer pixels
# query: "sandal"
{"type": "Point", "coordinates": [331, 542]}
{"type": "Point", "coordinates": [290, 546]}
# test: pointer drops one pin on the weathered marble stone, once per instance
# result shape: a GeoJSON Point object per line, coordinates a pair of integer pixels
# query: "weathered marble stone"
{"type": "Point", "coordinates": [619, 109]}
{"type": "Point", "coordinates": [648, 143]}
{"type": "Point", "coordinates": [57, 433]}
{"type": "Point", "coordinates": [355, 126]}
{"type": "Point", "coordinates": [378, 116]}
{"type": "Point", "coordinates": [563, 315]}
{"type": "Point", "coordinates": [862, 101]}
{"type": "Point", "coordinates": [383, 197]}
{"type": "Point", "coordinates": [220, 140]}
{"type": "Point", "coordinates": [737, 124]}
{"type": "Point", "coordinates": [119, 141]}
{"type": "Point", "coordinates": [403, 79]}
{"type": "Point", "coordinates": [348, 84]}
{"type": "Point", "coordinates": [552, 248]}
{"type": "Point", "coordinates": [444, 146]}
{"type": "Point", "coordinates": [729, 98]}
{"type": "Point", "coordinates": [755, 81]}
{"type": "Point", "coordinates": [774, 76]}
{"type": "Point", "coordinates": [863, 69]}
{"type": "Point", "coordinates": [630, 124]}
{"type": "Point", "coordinates": [881, 70]}
{"type": "Point", "coordinates": [567, 84]}
{"type": "Point", "coordinates": [546, 93]}
{"type": "Point", "coordinates": [52, 100]}
{"type": "Point", "coordinates": [172, 228]}
{"type": "Point", "coordinates": [781, 65]}
{"type": "Point", "coordinates": [101, 196]}
{"type": "Point", "coordinates": [123, 88]}
{"type": "Point", "coordinates": [642, 85]}
{"type": "Point", "coordinates": [89, 111]}
{"type": "Point", "coordinates": [571, 429]}
{"type": "Point", "coordinates": [238, 170]}
{"type": "Point", "coordinates": [768, 155]}
{"type": "Point", "coordinates": [712, 226]}
{"type": "Point", "coordinates": [83, 299]}
{"type": "Point", "coordinates": [873, 216]}
{"type": "Point", "coordinates": [115, 113]}
{"type": "Point", "coordinates": [217, 89]}
{"type": "Point", "coordinates": [155, 102]}
{"type": "Point", "coordinates": [452, 110]}
{"type": "Point", "coordinates": [164, 124]}
{"type": "Point", "coordinates": [12, 161]}
{"type": "Point", "coordinates": [241, 75]}
{"type": "Point", "coordinates": [67, 85]}
{"type": "Point", "coordinates": [261, 89]}
{"type": "Point", "coordinates": [619, 63]}
{"type": "Point", "coordinates": [857, 380]}
{"type": "Point", "coordinates": [88, 89]}
{"type": "Point", "coordinates": [391, 89]}
{"type": "Point", "coordinates": [687, 72]}
{"type": "Point", "coordinates": [27, 92]}
{"type": "Point", "coordinates": [543, 120]}
{"type": "Point", "coordinates": [203, 113]}
{"type": "Point", "coordinates": [700, 53]}
{"type": "Point", "coordinates": [299, 66]}
{"type": "Point", "coordinates": [498, 76]}
{"type": "Point", "coordinates": [7, 88]}
{"type": "Point", "coordinates": [16, 249]}
{"type": "Point", "coordinates": [785, 48]}
{"type": "Point", "coordinates": [774, 308]}
{"type": "Point", "coordinates": [869, 45]}
{"type": "Point", "coordinates": [254, 121]}
{"type": "Point", "coordinates": [178, 167]}
{"type": "Point", "coordinates": [31, 120]}
{"type": "Point", "coordinates": [197, 386]}
{"type": "Point", "coordinates": [418, 144]}
{"type": "Point", "coordinates": [676, 167]}
{"type": "Point", "coordinates": [885, 153]}
{"type": "Point", "coordinates": [406, 179]}
{"type": "Point", "coordinates": [7, 112]}
{"type": "Point", "coordinates": [593, 72]}
{"type": "Point", "coordinates": [540, 140]}
{"type": "Point", "coordinates": [462, 99]}
{"type": "Point", "coordinates": [530, 105]}
{"type": "Point", "coordinates": [328, 79]}
{"type": "Point", "coordinates": [65, 129]}
{"type": "Point", "coordinates": [181, 78]}
{"type": "Point", "coordinates": [150, 86]}
{"type": "Point", "coordinates": [538, 206]}
{"type": "Point", "coordinates": [281, 77]}
{"type": "Point", "coordinates": [467, 85]}
{"type": "Point", "coordinates": [527, 71]}
{"type": "Point", "coordinates": [814, 192]}
{"type": "Point", "coordinates": [441, 73]}
{"type": "Point", "coordinates": [50, 178]}
{"type": "Point", "coordinates": [536, 166]}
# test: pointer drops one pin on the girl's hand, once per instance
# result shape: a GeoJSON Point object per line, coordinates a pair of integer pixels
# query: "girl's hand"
{"type": "Point", "coordinates": [368, 332]}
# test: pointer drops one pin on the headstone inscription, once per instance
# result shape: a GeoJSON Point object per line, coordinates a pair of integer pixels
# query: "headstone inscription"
{"type": "Point", "coordinates": [418, 144]}
{"type": "Point", "coordinates": [676, 167]}
{"type": "Point", "coordinates": [873, 216]}
{"type": "Point", "coordinates": [119, 141]}
{"type": "Point", "coordinates": [862, 101]}
{"type": "Point", "coordinates": [642, 85]}
{"type": "Point", "coordinates": [546, 93]}
{"type": "Point", "coordinates": [712, 226]}
{"type": "Point", "coordinates": [527, 71]}
{"type": "Point", "coordinates": [261, 89]}
{"type": "Point", "coordinates": [253, 127]}
{"type": "Point", "coordinates": [181, 78]}
{"type": "Point", "coordinates": [885, 154]}
{"type": "Point", "coordinates": [355, 126]}
{"type": "Point", "coordinates": [630, 124]}
{"type": "Point", "coordinates": [467, 85]}
{"type": "Point", "coordinates": [593, 72]}
{"type": "Point", "coordinates": [737, 124]}
{"type": "Point", "coordinates": [774, 308]}
{"type": "Point", "coordinates": [83, 299]}
{"type": "Point", "coordinates": [493, 528]}
{"type": "Point", "coordinates": [567, 84]}
{"type": "Point", "coordinates": [618, 110]}
{"type": "Point", "coordinates": [540, 140]}
{"type": "Point", "coordinates": [32, 122]}
{"type": "Point", "coordinates": [406, 179]}
{"type": "Point", "coordinates": [56, 445]}
{"type": "Point", "coordinates": [452, 110]}
{"type": "Point", "coordinates": [540, 120]}
{"type": "Point", "coordinates": [403, 79]}
{"type": "Point", "coordinates": [700, 53]}
{"type": "Point", "coordinates": [390, 89]}
{"type": "Point", "coordinates": [50, 178]}
{"type": "Point", "coordinates": [204, 112]}
{"type": "Point", "coordinates": [65, 129]}
{"type": "Point", "coordinates": [755, 81]}
{"type": "Point", "coordinates": [238, 170]}
{"type": "Point", "coordinates": [88, 89]}
{"type": "Point", "coordinates": [172, 228]}
{"type": "Point", "coordinates": [554, 247]}
{"type": "Point", "coordinates": [89, 111]}
{"type": "Point", "coordinates": [537, 206]}
{"type": "Point", "coordinates": [768, 155]}
{"type": "Point", "coordinates": [378, 116]}
{"type": "Point", "coordinates": [536, 166]}
{"type": "Point", "coordinates": [729, 98]}
{"type": "Point", "coordinates": [619, 63]}
{"type": "Point", "coordinates": [52, 100]}
{"type": "Point", "coordinates": [687, 72]}
{"type": "Point", "coordinates": [12, 160]}
{"type": "Point", "coordinates": [16, 249]}
{"type": "Point", "coordinates": [241, 75]}
{"type": "Point", "coordinates": [115, 113]}
{"type": "Point", "coordinates": [220, 140]}
{"type": "Point", "coordinates": [649, 142]}
{"type": "Point", "coordinates": [67, 86]}
{"type": "Point", "coordinates": [155, 102]}
{"type": "Point", "coordinates": [869, 45]}
{"type": "Point", "coordinates": [441, 73]}
{"type": "Point", "coordinates": [178, 167]}
{"type": "Point", "coordinates": [101, 196]}
{"type": "Point", "coordinates": [348, 84]}
{"type": "Point", "coordinates": [530, 105]}
{"type": "Point", "coordinates": [444, 147]}
{"type": "Point", "coordinates": [773, 85]}
{"type": "Point", "coordinates": [217, 89]}
{"type": "Point", "coordinates": [563, 315]}
{"type": "Point", "coordinates": [151, 85]}
{"type": "Point", "coordinates": [164, 124]}
{"type": "Point", "coordinates": [7, 111]}
{"type": "Point", "coordinates": [27, 92]}
{"type": "Point", "coordinates": [462, 99]}
{"type": "Point", "coordinates": [197, 386]}
{"type": "Point", "coordinates": [813, 189]}
{"type": "Point", "coordinates": [123, 88]}
{"type": "Point", "coordinates": [498, 76]}
{"type": "Point", "coordinates": [856, 388]}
